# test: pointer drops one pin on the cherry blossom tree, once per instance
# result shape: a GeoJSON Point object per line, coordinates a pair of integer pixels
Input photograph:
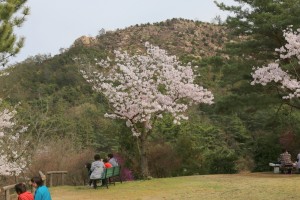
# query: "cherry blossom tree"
{"type": "Point", "coordinates": [141, 88]}
{"type": "Point", "coordinates": [12, 147]}
{"type": "Point", "coordinates": [273, 72]}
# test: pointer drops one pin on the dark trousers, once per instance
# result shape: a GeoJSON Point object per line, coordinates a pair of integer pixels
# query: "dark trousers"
{"type": "Point", "coordinates": [94, 183]}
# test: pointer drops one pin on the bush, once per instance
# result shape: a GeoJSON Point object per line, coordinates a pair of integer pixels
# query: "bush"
{"type": "Point", "coordinates": [223, 163]}
{"type": "Point", "coordinates": [62, 155]}
{"type": "Point", "coordinates": [163, 160]}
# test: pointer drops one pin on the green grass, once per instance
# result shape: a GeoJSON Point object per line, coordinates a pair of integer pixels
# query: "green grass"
{"type": "Point", "coordinates": [250, 186]}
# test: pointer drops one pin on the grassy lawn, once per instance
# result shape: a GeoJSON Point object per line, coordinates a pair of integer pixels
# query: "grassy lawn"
{"type": "Point", "coordinates": [254, 186]}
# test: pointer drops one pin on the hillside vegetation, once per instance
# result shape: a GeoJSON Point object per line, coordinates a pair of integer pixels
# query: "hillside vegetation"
{"type": "Point", "coordinates": [243, 131]}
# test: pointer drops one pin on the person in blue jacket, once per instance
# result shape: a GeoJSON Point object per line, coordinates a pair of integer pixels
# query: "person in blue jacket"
{"type": "Point", "coordinates": [41, 192]}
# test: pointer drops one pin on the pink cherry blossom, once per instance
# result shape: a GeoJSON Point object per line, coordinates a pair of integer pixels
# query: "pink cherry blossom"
{"type": "Point", "coordinates": [11, 163]}
{"type": "Point", "coordinates": [274, 73]}
{"type": "Point", "coordinates": [140, 88]}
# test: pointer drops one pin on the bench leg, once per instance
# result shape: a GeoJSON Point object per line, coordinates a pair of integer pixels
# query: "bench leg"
{"type": "Point", "coordinates": [106, 182]}
{"type": "Point", "coordinates": [276, 170]}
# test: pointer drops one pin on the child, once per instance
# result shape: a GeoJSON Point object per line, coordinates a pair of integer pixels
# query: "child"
{"type": "Point", "coordinates": [41, 192]}
{"type": "Point", "coordinates": [112, 160]}
{"type": "Point", "coordinates": [97, 169]}
{"type": "Point", "coordinates": [106, 163]}
{"type": "Point", "coordinates": [22, 192]}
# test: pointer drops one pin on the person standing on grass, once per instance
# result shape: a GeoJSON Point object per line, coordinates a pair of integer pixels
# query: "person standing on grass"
{"type": "Point", "coordinates": [41, 192]}
{"type": "Point", "coordinates": [112, 160]}
{"type": "Point", "coordinates": [22, 192]}
{"type": "Point", "coordinates": [97, 169]}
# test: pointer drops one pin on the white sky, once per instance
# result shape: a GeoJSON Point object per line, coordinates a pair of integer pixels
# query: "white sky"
{"type": "Point", "coordinates": [55, 24]}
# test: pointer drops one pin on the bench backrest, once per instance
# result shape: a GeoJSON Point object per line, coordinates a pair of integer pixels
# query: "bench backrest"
{"type": "Point", "coordinates": [109, 172]}
{"type": "Point", "coordinates": [117, 170]}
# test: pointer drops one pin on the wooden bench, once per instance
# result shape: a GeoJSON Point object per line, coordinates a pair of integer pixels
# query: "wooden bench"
{"type": "Point", "coordinates": [117, 173]}
{"type": "Point", "coordinates": [107, 174]}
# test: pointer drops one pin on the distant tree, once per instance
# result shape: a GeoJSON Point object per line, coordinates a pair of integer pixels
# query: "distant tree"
{"type": "Point", "coordinates": [217, 20]}
{"type": "Point", "coordinates": [141, 88]}
{"type": "Point", "coordinates": [256, 29]}
{"type": "Point", "coordinates": [101, 32]}
{"type": "Point", "coordinates": [40, 58]}
{"type": "Point", "coordinates": [12, 14]}
{"type": "Point", "coordinates": [261, 23]}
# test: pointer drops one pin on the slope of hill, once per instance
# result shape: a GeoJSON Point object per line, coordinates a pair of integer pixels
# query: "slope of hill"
{"type": "Point", "coordinates": [177, 36]}
{"type": "Point", "coordinates": [217, 139]}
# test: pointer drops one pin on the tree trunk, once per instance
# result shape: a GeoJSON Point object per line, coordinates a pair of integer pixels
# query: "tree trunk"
{"type": "Point", "coordinates": [143, 156]}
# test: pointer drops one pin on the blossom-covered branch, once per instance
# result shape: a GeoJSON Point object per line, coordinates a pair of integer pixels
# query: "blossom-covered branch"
{"type": "Point", "coordinates": [141, 87]}
{"type": "Point", "coordinates": [11, 145]}
{"type": "Point", "coordinates": [274, 73]}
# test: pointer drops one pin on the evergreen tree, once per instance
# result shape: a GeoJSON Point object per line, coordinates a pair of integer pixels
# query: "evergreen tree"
{"type": "Point", "coordinates": [261, 23]}
{"type": "Point", "coordinates": [12, 14]}
{"type": "Point", "coordinates": [259, 26]}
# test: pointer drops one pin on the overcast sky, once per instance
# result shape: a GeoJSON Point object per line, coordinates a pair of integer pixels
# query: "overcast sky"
{"type": "Point", "coordinates": [55, 24]}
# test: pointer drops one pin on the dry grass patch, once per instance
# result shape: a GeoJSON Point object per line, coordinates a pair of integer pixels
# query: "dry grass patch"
{"type": "Point", "coordinates": [238, 186]}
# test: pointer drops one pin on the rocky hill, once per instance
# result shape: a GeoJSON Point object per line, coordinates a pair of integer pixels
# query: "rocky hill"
{"type": "Point", "coordinates": [177, 36]}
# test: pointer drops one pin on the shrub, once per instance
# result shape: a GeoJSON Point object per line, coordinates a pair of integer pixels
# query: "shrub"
{"type": "Point", "coordinates": [62, 155]}
{"type": "Point", "coordinates": [163, 160]}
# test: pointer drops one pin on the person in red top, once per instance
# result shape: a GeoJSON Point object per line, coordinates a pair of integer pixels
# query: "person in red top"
{"type": "Point", "coordinates": [106, 163]}
{"type": "Point", "coordinates": [22, 192]}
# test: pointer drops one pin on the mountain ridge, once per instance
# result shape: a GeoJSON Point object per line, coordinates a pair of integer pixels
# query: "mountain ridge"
{"type": "Point", "coordinates": [177, 36]}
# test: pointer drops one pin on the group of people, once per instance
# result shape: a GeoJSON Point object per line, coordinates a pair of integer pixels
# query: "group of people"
{"type": "Point", "coordinates": [97, 168]}
{"type": "Point", "coordinates": [285, 160]}
{"type": "Point", "coordinates": [41, 191]}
